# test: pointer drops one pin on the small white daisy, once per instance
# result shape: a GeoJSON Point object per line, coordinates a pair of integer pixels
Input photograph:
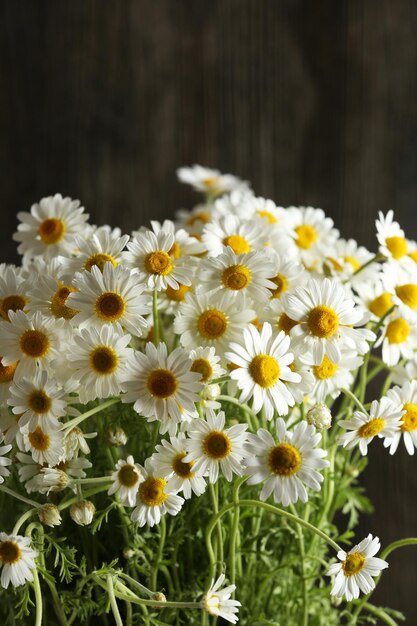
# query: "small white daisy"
{"type": "Point", "coordinates": [6, 379]}
{"type": "Point", "coordinates": [209, 181]}
{"type": "Point", "coordinates": [126, 480]}
{"type": "Point", "coordinates": [103, 246]}
{"type": "Point", "coordinates": [402, 283]}
{"type": "Point", "coordinates": [314, 233]}
{"type": "Point", "coordinates": [405, 398]}
{"type": "Point", "coordinates": [288, 274]}
{"type": "Point", "coordinates": [398, 338]}
{"type": "Point", "coordinates": [217, 601]}
{"type": "Point", "coordinates": [45, 446]}
{"type": "Point", "coordinates": [373, 298]}
{"type": "Point", "coordinates": [206, 363]}
{"type": "Point", "coordinates": [330, 378]}
{"type": "Point", "coordinates": [49, 296]}
{"type": "Point", "coordinates": [17, 560]}
{"type": "Point", "coordinates": [346, 258]}
{"type": "Point", "coordinates": [195, 220]}
{"type": "Point", "coordinates": [392, 242]}
{"type": "Point", "coordinates": [184, 244]}
{"type": "Point", "coordinates": [168, 461]}
{"type": "Point", "coordinates": [154, 499]}
{"type": "Point", "coordinates": [14, 291]}
{"type": "Point", "coordinates": [230, 231]}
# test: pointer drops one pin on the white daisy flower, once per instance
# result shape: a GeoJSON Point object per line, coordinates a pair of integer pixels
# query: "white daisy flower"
{"type": "Point", "coordinates": [114, 295]}
{"type": "Point", "coordinates": [288, 274]}
{"type": "Point", "coordinates": [218, 601]}
{"type": "Point", "coordinates": [402, 283]}
{"type": "Point", "coordinates": [6, 379]}
{"type": "Point", "coordinates": [55, 479]}
{"type": "Point", "coordinates": [211, 447]}
{"type": "Point", "coordinates": [373, 298]}
{"type": "Point", "coordinates": [287, 466]}
{"type": "Point", "coordinates": [398, 338]}
{"type": "Point", "coordinates": [346, 258]}
{"type": "Point", "coordinates": [17, 560]}
{"type": "Point", "coordinates": [31, 340]}
{"type": "Point", "coordinates": [384, 421]}
{"type": "Point", "coordinates": [325, 319]}
{"type": "Point", "coordinates": [206, 363]}
{"type": "Point", "coordinates": [168, 461]}
{"type": "Point", "coordinates": [45, 446]}
{"type": "Point", "coordinates": [357, 569]}
{"type": "Point", "coordinates": [13, 291]}
{"type": "Point", "coordinates": [4, 462]}
{"type": "Point", "coordinates": [126, 480]}
{"type": "Point", "coordinates": [50, 227]}
{"type": "Point", "coordinates": [314, 233]}
{"type": "Point", "coordinates": [9, 425]}
{"type": "Point", "coordinates": [405, 399]}
{"type": "Point", "coordinates": [103, 246]}
{"type": "Point", "coordinates": [161, 385]}
{"type": "Point", "coordinates": [263, 370]}
{"type": "Point", "coordinates": [230, 231]}
{"type": "Point", "coordinates": [75, 441]}
{"type": "Point", "coordinates": [209, 181]}
{"type": "Point", "coordinates": [400, 374]}
{"type": "Point", "coordinates": [276, 315]}
{"type": "Point", "coordinates": [195, 220]}
{"type": "Point", "coordinates": [154, 499]}
{"type": "Point", "coordinates": [329, 377]}
{"type": "Point", "coordinates": [392, 242]}
{"type": "Point", "coordinates": [49, 296]}
{"type": "Point", "coordinates": [184, 244]}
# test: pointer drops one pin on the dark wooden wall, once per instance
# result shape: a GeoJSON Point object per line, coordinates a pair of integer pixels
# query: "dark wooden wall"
{"type": "Point", "coordinates": [313, 101]}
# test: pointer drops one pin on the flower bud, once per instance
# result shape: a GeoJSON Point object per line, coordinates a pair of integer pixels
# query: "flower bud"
{"type": "Point", "coordinates": [117, 436]}
{"type": "Point", "coordinates": [128, 553]}
{"type": "Point", "coordinates": [49, 515]}
{"type": "Point", "coordinates": [320, 417]}
{"type": "Point", "coordinates": [211, 392]}
{"type": "Point", "coordinates": [158, 596]}
{"type": "Point", "coordinates": [82, 512]}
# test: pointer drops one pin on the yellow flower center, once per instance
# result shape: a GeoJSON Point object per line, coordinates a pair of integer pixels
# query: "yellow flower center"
{"type": "Point", "coordinates": [282, 285]}
{"type": "Point", "coordinates": [306, 236]}
{"type": "Point", "coordinates": [335, 264]}
{"type": "Point", "coordinates": [104, 360]}
{"type": "Point", "coordinates": [12, 303]}
{"type": "Point", "coordinates": [354, 263]}
{"type": "Point", "coordinates": [180, 468]}
{"type": "Point", "coordinates": [51, 230]}
{"type": "Point", "coordinates": [284, 459]}
{"type": "Point", "coordinates": [271, 218]}
{"type": "Point", "coordinates": [39, 440]}
{"type": "Point", "coordinates": [238, 244]}
{"type": "Point", "coordinates": [128, 475]}
{"type": "Point", "coordinates": [161, 383]}
{"type": "Point", "coordinates": [210, 182]}
{"type": "Point", "coordinates": [413, 255]}
{"type": "Point", "coordinates": [323, 321]}
{"type": "Point", "coordinates": [264, 370]}
{"type": "Point", "coordinates": [353, 563]}
{"type": "Point", "coordinates": [34, 343]}
{"type": "Point", "coordinates": [9, 552]}
{"type": "Point", "coordinates": [58, 306]}
{"type": "Point", "coordinates": [202, 367]}
{"type": "Point", "coordinates": [151, 491]}
{"type": "Point", "coordinates": [7, 372]}
{"type": "Point", "coordinates": [110, 306]}
{"type": "Point", "coordinates": [39, 401]}
{"type": "Point", "coordinates": [212, 324]}
{"type": "Point", "coordinates": [380, 305]}
{"type": "Point", "coordinates": [285, 323]}
{"type": "Point", "coordinates": [217, 445]}
{"type": "Point", "coordinates": [99, 260]}
{"type": "Point", "coordinates": [175, 250]}
{"type": "Point", "coordinates": [398, 330]}
{"type": "Point", "coordinates": [408, 295]}
{"type": "Point", "coordinates": [371, 428]}
{"type": "Point", "coordinates": [178, 295]}
{"type": "Point", "coordinates": [236, 277]}
{"type": "Point", "coordinates": [199, 216]}
{"type": "Point", "coordinates": [409, 419]}
{"type": "Point", "coordinates": [158, 262]}
{"type": "Point", "coordinates": [397, 246]}
{"type": "Point", "coordinates": [326, 369]}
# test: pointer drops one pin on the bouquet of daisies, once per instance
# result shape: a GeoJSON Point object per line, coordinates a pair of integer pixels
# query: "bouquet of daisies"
{"type": "Point", "coordinates": [186, 409]}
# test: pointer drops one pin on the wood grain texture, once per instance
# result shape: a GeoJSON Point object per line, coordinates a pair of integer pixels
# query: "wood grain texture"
{"type": "Point", "coordinates": [314, 102]}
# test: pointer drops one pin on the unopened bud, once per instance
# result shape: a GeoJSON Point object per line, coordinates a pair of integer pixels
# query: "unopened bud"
{"type": "Point", "coordinates": [320, 417]}
{"type": "Point", "coordinates": [128, 553]}
{"type": "Point", "coordinates": [117, 436]}
{"type": "Point", "coordinates": [82, 512]}
{"type": "Point", "coordinates": [211, 392]}
{"type": "Point", "coordinates": [49, 515]}
{"type": "Point", "coordinates": [158, 596]}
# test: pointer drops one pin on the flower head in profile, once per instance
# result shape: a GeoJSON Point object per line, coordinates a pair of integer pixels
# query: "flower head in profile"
{"type": "Point", "coordinates": [217, 601]}
{"type": "Point", "coordinates": [209, 181]}
{"type": "Point", "coordinates": [126, 480]}
{"type": "Point", "coordinates": [405, 398]}
{"type": "Point", "coordinates": [391, 239]}
{"type": "Point", "coordinates": [17, 560]}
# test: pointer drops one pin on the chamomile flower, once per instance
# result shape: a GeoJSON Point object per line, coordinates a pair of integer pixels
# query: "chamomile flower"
{"type": "Point", "coordinates": [405, 398]}
{"type": "Point", "coordinates": [161, 385]}
{"type": "Point", "coordinates": [288, 466]}
{"type": "Point", "coordinates": [103, 246]}
{"type": "Point", "coordinates": [356, 569]}
{"type": "Point", "coordinates": [374, 298]}
{"type": "Point", "coordinates": [17, 560]}
{"type": "Point", "coordinates": [50, 227]}
{"type": "Point", "coordinates": [209, 181]}
{"type": "Point", "coordinates": [113, 295]}
{"type": "Point", "coordinates": [330, 377]}
{"type": "Point", "coordinates": [168, 461]}
{"type": "Point", "coordinates": [126, 480]}
{"type": "Point", "coordinates": [195, 220]}
{"type": "Point", "coordinates": [154, 499]}
{"type": "Point", "coordinates": [392, 243]}
{"type": "Point", "coordinates": [402, 283]}
{"type": "Point", "coordinates": [346, 258]}
{"type": "Point", "coordinates": [263, 369]}
{"type": "Point", "coordinates": [38, 401]}
{"type": "Point", "coordinates": [75, 441]}
{"type": "Point", "coordinates": [13, 291]}
{"type": "Point", "coordinates": [9, 425]}
{"type": "Point", "coordinates": [49, 296]}
{"type": "Point", "coordinates": [218, 602]}
{"type": "Point", "coordinates": [288, 274]}
{"type": "Point", "coordinates": [4, 462]}
{"type": "Point", "coordinates": [314, 233]}
{"type": "Point", "coordinates": [184, 244]}
{"type": "Point", "coordinates": [384, 421]}
{"type": "Point", "coordinates": [6, 379]}
{"type": "Point", "coordinates": [398, 338]}
{"type": "Point", "coordinates": [326, 320]}
{"type": "Point", "coordinates": [99, 360]}
{"type": "Point", "coordinates": [212, 447]}
{"type": "Point", "coordinates": [206, 363]}
{"type": "Point", "coordinates": [241, 236]}
{"type": "Point", "coordinates": [45, 446]}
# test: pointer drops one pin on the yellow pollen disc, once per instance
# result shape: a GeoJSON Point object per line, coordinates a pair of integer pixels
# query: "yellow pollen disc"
{"type": "Point", "coordinates": [236, 277]}
{"type": "Point", "coordinates": [210, 182]}
{"type": "Point", "coordinates": [353, 563]}
{"type": "Point", "coordinates": [177, 295]}
{"type": "Point", "coordinates": [104, 360]}
{"type": "Point", "coordinates": [34, 343]}
{"type": "Point", "coordinates": [398, 330]}
{"type": "Point", "coordinates": [285, 323]}
{"type": "Point", "coordinates": [110, 306]}
{"type": "Point", "coordinates": [212, 324]}
{"type": "Point", "coordinates": [354, 263]}
{"type": "Point", "coordinates": [58, 306]}
{"type": "Point", "coordinates": [9, 552]}
{"type": "Point", "coordinates": [200, 216]}
{"type": "Point", "coordinates": [264, 370]}
{"type": "Point", "coordinates": [175, 250]}
{"type": "Point", "coordinates": [413, 255]}
{"type": "Point", "coordinates": [335, 264]}
{"type": "Point", "coordinates": [161, 383]}
{"type": "Point", "coordinates": [39, 440]}
{"type": "Point", "coordinates": [326, 369]}
{"type": "Point", "coordinates": [99, 260]}
{"type": "Point", "coordinates": [323, 321]}
{"type": "Point", "coordinates": [39, 401]}
{"type": "Point", "coordinates": [409, 419]}
{"type": "Point", "coordinates": [397, 246]}
{"type": "Point", "coordinates": [371, 428]}
{"type": "Point", "coordinates": [381, 304]}
{"type": "Point", "coordinates": [217, 445]}
{"type": "Point", "coordinates": [202, 367]}
{"type": "Point", "coordinates": [271, 218]}
{"type": "Point", "coordinates": [282, 285]}
{"type": "Point", "coordinates": [128, 475]}
{"type": "Point", "coordinates": [7, 372]}
{"type": "Point", "coordinates": [232, 367]}
{"type": "Point", "coordinates": [238, 244]}
{"type": "Point", "coordinates": [306, 236]}
{"type": "Point", "coordinates": [51, 230]}
{"type": "Point", "coordinates": [180, 468]}
{"type": "Point", "coordinates": [284, 459]}
{"type": "Point", "coordinates": [158, 262]}
{"type": "Point", "coordinates": [408, 295]}
{"type": "Point", "coordinates": [151, 491]}
{"type": "Point", "coordinates": [12, 303]}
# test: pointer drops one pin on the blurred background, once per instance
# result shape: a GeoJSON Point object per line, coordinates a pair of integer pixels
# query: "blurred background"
{"type": "Point", "coordinates": [313, 102]}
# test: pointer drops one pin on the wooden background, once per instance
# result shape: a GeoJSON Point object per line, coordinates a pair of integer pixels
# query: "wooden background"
{"type": "Point", "coordinates": [314, 102]}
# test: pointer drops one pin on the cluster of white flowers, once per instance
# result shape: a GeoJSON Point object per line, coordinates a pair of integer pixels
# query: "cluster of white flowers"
{"type": "Point", "coordinates": [237, 299]}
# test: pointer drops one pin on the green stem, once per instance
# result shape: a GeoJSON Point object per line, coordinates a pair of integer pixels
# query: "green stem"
{"type": "Point", "coordinates": [113, 603]}
{"type": "Point", "coordinates": [10, 492]}
{"type": "Point", "coordinates": [235, 401]}
{"type": "Point", "coordinates": [162, 535]}
{"type": "Point", "coordinates": [379, 612]}
{"type": "Point", "coordinates": [136, 584]}
{"type": "Point", "coordinates": [356, 400]}
{"type": "Point", "coordinates": [38, 598]}
{"type": "Point", "coordinates": [301, 548]}
{"type": "Point", "coordinates": [80, 418]}
{"type": "Point", "coordinates": [155, 314]}
{"type": "Point", "coordinates": [214, 494]}
{"type": "Point", "coordinates": [22, 519]}
{"type": "Point", "coordinates": [234, 530]}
